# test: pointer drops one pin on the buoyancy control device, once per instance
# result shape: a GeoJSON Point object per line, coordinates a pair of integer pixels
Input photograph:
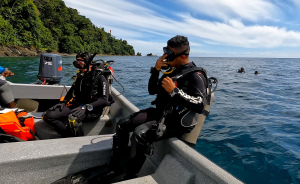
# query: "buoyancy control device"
{"type": "Point", "coordinates": [196, 117]}
{"type": "Point", "coordinates": [50, 69]}
{"type": "Point", "coordinates": [191, 118]}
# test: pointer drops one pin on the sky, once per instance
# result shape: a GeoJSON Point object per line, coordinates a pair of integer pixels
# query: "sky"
{"type": "Point", "coordinates": [215, 28]}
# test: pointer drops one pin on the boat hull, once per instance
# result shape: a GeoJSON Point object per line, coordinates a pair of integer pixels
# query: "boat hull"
{"type": "Point", "coordinates": [45, 161]}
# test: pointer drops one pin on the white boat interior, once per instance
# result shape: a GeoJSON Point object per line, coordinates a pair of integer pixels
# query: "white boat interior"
{"type": "Point", "coordinates": [52, 157]}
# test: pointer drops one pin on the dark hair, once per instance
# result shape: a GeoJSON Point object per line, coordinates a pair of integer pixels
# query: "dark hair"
{"type": "Point", "coordinates": [84, 55]}
{"type": "Point", "coordinates": [178, 42]}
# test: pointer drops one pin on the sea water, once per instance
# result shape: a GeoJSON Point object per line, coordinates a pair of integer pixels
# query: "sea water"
{"type": "Point", "coordinates": [253, 130]}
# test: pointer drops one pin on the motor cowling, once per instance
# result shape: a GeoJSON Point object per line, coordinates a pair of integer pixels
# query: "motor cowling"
{"type": "Point", "coordinates": [50, 69]}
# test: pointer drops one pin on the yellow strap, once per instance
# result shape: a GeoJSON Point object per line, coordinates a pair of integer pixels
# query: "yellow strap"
{"type": "Point", "coordinates": [168, 72]}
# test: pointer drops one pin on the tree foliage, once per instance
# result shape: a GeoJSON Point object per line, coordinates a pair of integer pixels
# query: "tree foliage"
{"type": "Point", "coordinates": [50, 25]}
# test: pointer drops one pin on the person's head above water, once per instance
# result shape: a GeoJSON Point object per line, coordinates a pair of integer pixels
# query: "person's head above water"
{"type": "Point", "coordinates": [241, 70]}
{"type": "Point", "coordinates": [256, 72]}
{"type": "Point", "coordinates": [177, 50]}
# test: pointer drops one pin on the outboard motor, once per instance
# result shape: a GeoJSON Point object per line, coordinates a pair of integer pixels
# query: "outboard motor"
{"type": "Point", "coordinates": [50, 70]}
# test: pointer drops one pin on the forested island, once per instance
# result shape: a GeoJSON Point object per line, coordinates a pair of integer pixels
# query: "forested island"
{"type": "Point", "coordinates": [50, 26]}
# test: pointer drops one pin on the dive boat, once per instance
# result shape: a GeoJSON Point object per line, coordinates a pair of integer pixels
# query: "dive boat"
{"type": "Point", "coordinates": [45, 161]}
{"type": "Point", "coordinates": [52, 157]}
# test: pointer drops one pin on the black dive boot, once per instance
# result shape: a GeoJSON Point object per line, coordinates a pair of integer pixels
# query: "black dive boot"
{"type": "Point", "coordinates": [136, 163]}
{"type": "Point", "coordinates": [119, 148]}
{"type": "Point", "coordinates": [114, 168]}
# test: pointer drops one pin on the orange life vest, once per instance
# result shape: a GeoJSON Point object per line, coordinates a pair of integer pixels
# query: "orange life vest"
{"type": "Point", "coordinates": [11, 124]}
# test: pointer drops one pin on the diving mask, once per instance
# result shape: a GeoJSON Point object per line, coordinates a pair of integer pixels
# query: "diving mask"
{"type": "Point", "coordinates": [171, 55]}
{"type": "Point", "coordinates": [80, 64]}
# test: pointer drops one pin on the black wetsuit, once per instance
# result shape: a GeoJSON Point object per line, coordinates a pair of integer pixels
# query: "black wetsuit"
{"type": "Point", "coordinates": [86, 89]}
{"type": "Point", "coordinates": [192, 92]}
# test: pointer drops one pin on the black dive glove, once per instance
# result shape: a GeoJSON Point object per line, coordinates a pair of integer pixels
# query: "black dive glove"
{"type": "Point", "coordinates": [61, 105]}
{"type": "Point", "coordinates": [79, 112]}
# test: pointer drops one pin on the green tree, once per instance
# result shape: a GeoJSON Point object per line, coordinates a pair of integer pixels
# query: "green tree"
{"type": "Point", "coordinates": [50, 25]}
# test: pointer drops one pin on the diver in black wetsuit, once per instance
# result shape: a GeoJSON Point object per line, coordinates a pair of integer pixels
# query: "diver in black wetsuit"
{"type": "Point", "coordinates": [84, 101]}
{"type": "Point", "coordinates": [187, 93]}
{"type": "Point", "coordinates": [241, 70]}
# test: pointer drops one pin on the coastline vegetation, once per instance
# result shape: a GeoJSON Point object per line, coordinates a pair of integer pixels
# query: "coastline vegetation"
{"type": "Point", "coordinates": [51, 26]}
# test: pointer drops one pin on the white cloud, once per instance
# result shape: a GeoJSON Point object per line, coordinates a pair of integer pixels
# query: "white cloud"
{"type": "Point", "coordinates": [138, 24]}
{"type": "Point", "coordinates": [195, 44]}
{"type": "Point", "coordinates": [296, 2]}
{"type": "Point", "coordinates": [235, 33]}
{"type": "Point", "coordinates": [252, 10]}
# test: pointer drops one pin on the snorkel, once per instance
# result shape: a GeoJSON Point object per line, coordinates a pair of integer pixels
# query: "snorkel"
{"type": "Point", "coordinates": [90, 62]}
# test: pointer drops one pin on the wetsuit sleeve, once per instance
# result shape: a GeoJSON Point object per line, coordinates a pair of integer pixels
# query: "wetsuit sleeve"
{"type": "Point", "coordinates": [2, 70]}
{"type": "Point", "coordinates": [69, 94]}
{"type": "Point", "coordinates": [103, 93]}
{"type": "Point", "coordinates": [195, 95]}
{"type": "Point", "coordinates": [153, 82]}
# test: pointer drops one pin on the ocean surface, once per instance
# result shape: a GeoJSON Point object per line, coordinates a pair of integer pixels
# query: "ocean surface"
{"type": "Point", "coordinates": [253, 130]}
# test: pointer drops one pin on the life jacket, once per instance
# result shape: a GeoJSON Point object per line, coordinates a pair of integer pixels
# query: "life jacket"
{"type": "Point", "coordinates": [18, 125]}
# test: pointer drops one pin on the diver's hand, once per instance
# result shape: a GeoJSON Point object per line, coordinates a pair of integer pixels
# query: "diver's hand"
{"type": "Point", "coordinates": [61, 105]}
{"type": "Point", "coordinates": [160, 62]}
{"type": "Point", "coordinates": [79, 112]}
{"type": "Point", "coordinates": [168, 84]}
{"type": "Point", "coordinates": [7, 73]}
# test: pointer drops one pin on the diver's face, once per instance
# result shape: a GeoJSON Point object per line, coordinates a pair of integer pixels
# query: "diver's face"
{"type": "Point", "coordinates": [81, 60]}
{"type": "Point", "coordinates": [177, 61]}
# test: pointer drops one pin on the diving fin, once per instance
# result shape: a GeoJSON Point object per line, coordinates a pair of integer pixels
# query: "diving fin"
{"type": "Point", "coordinates": [99, 174]}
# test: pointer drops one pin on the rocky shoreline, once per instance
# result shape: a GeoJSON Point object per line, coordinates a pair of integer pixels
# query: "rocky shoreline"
{"type": "Point", "coordinates": [17, 51]}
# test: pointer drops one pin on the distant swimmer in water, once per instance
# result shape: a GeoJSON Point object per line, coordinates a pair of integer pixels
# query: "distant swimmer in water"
{"type": "Point", "coordinates": [241, 70]}
{"type": "Point", "coordinates": [256, 72]}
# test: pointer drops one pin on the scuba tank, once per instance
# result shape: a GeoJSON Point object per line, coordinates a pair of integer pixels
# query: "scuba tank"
{"type": "Point", "coordinates": [190, 118]}
{"type": "Point", "coordinates": [200, 118]}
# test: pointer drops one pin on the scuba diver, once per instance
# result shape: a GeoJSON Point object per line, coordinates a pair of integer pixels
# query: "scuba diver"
{"type": "Point", "coordinates": [6, 96]}
{"type": "Point", "coordinates": [85, 100]}
{"type": "Point", "coordinates": [241, 70]}
{"type": "Point", "coordinates": [173, 101]}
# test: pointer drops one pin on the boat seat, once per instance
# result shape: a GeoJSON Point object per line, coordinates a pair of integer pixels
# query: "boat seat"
{"type": "Point", "coordinates": [28, 105]}
{"type": "Point", "coordinates": [45, 131]}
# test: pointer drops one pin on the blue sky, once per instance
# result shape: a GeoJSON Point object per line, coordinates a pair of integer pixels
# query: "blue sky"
{"type": "Point", "coordinates": [215, 28]}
